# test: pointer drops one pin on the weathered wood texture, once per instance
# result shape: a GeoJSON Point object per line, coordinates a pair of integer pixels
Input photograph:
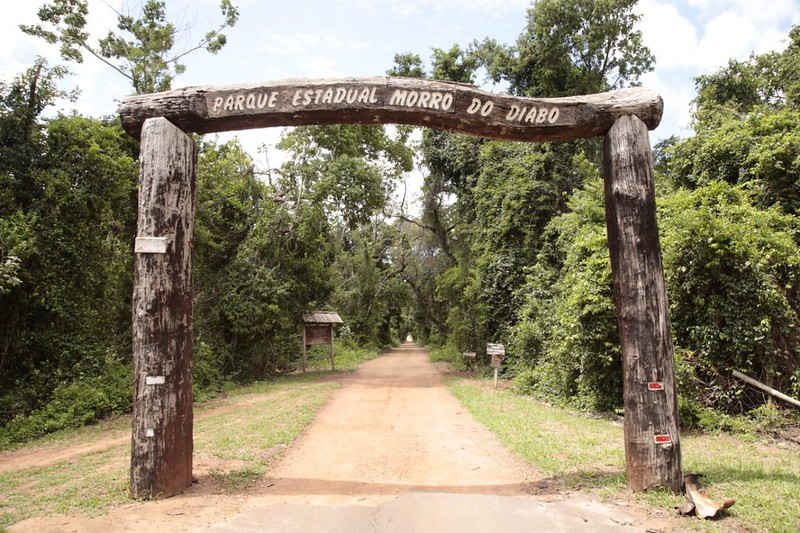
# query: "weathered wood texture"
{"type": "Point", "coordinates": [652, 441]}
{"type": "Point", "coordinates": [444, 105]}
{"type": "Point", "coordinates": [161, 449]}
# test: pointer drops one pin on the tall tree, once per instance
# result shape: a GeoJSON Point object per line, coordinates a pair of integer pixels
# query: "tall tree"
{"type": "Point", "coordinates": [142, 46]}
{"type": "Point", "coordinates": [571, 47]}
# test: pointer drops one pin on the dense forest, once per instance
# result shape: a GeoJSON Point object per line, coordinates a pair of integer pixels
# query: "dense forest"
{"type": "Point", "coordinates": [510, 245]}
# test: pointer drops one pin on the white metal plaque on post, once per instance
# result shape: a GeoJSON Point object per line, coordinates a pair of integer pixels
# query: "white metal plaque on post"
{"type": "Point", "coordinates": [150, 245]}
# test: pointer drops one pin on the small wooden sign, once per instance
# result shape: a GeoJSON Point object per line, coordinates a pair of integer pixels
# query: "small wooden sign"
{"type": "Point", "coordinates": [495, 349]}
{"type": "Point", "coordinates": [662, 439]}
{"type": "Point", "coordinates": [318, 334]}
{"type": "Point", "coordinates": [496, 361]}
{"type": "Point", "coordinates": [470, 355]}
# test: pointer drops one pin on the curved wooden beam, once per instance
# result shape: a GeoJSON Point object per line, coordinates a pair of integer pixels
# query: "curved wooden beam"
{"type": "Point", "coordinates": [378, 100]}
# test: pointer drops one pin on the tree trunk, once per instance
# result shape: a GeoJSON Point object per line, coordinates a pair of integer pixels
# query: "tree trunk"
{"type": "Point", "coordinates": [161, 449]}
{"type": "Point", "coordinates": [652, 441]}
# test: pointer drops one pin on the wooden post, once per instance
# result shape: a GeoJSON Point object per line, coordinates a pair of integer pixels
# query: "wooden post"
{"type": "Point", "coordinates": [333, 363]}
{"type": "Point", "coordinates": [161, 443]}
{"type": "Point", "coordinates": [305, 356]}
{"type": "Point", "coordinates": [652, 440]}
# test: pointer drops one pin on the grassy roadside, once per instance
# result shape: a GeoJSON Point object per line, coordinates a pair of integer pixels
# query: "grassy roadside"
{"type": "Point", "coordinates": [575, 450]}
{"type": "Point", "coordinates": [236, 439]}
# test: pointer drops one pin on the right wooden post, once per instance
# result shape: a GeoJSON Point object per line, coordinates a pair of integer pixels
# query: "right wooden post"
{"type": "Point", "coordinates": [652, 438]}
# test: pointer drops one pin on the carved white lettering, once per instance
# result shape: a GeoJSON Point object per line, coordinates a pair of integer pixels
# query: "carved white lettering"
{"type": "Point", "coordinates": [250, 103]}
{"type": "Point", "coordinates": [513, 112]}
{"type": "Point", "coordinates": [447, 101]}
{"type": "Point", "coordinates": [373, 99]}
{"type": "Point", "coordinates": [484, 107]}
{"type": "Point", "coordinates": [352, 94]}
{"type": "Point", "coordinates": [296, 98]}
{"type": "Point", "coordinates": [240, 98]}
{"type": "Point", "coordinates": [228, 103]}
{"type": "Point", "coordinates": [263, 99]}
{"type": "Point", "coordinates": [553, 115]}
{"type": "Point", "coordinates": [542, 116]}
{"type": "Point", "coordinates": [398, 97]}
{"type": "Point", "coordinates": [328, 97]}
{"type": "Point", "coordinates": [339, 96]}
{"type": "Point", "coordinates": [424, 98]}
{"type": "Point", "coordinates": [364, 96]}
{"type": "Point", "coordinates": [531, 116]}
{"type": "Point", "coordinates": [218, 101]}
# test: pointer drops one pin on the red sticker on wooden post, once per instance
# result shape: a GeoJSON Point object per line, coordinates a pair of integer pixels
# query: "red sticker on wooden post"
{"type": "Point", "coordinates": [655, 385]}
{"type": "Point", "coordinates": [662, 439]}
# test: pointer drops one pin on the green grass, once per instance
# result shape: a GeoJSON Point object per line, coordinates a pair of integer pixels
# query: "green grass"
{"type": "Point", "coordinates": [347, 355]}
{"type": "Point", "coordinates": [248, 432]}
{"type": "Point", "coordinates": [575, 450]}
{"type": "Point", "coordinates": [241, 439]}
{"type": "Point", "coordinates": [238, 480]}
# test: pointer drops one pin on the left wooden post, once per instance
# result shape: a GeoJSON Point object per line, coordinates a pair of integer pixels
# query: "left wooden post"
{"type": "Point", "coordinates": [161, 442]}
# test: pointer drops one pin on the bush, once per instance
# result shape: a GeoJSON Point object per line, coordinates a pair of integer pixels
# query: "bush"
{"type": "Point", "coordinates": [448, 354]}
{"type": "Point", "coordinates": [76, 404]}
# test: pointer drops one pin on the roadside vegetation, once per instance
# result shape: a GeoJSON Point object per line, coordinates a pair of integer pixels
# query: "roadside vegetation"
{"type": "Point", "coordinates": [576, 450]}
{"type": "Point", "coordinates": [237, 436]}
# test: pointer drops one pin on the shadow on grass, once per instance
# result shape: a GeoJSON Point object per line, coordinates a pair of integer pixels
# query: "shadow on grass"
{"type": "Point", "coordinates": [578, 480]}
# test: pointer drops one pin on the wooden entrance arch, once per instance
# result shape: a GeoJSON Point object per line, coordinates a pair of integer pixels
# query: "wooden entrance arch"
{"type": "Point", "coordinates": [161, 454]}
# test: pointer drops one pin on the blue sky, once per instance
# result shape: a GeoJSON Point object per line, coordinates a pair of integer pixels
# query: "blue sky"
{"type": "Point", "coordinates": [330, 38]}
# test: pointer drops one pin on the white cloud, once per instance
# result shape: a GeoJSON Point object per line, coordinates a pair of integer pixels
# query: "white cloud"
{"type": "Point", "coordinates": [728, 35]}
{"type": "Point", "coordinates": [320, 67]}
{"type": "Point", "coordinates": [670, 36]}
{"type": "Point", "coordinates": [414, 8]}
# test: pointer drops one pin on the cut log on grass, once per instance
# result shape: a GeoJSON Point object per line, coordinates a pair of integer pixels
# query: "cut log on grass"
{"type": "Point", "coordinates": [704, 506]}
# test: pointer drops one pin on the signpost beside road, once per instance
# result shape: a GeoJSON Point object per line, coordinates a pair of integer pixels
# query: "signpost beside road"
{"type": "Point", "coordinates": [497, 351]}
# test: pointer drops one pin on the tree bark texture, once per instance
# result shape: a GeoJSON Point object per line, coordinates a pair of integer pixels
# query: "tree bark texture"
{"type": "Point", "coordinates": [652, 440]}
{"type": "Point", "coordinates": [161, 449]}
{"type": "Point", "coordinates": [379, 100]}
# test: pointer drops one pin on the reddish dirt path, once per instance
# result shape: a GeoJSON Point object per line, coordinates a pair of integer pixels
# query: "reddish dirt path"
{"type": "Point", "coordinates": [393, 429]}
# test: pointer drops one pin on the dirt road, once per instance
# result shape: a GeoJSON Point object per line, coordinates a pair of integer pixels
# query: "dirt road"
{"type": "Point", "coordinates": [392, 451]}
{"type": "Point", "coordinates": [393, 429]}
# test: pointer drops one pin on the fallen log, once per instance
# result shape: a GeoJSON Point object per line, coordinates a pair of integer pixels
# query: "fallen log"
{"type": "Point", "coordinates": [766, 388]}
{"type": "Point", "coordinates": [704, 506]}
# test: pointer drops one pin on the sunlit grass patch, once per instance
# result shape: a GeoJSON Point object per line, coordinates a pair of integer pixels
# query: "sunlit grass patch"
{"type": "Point", "coordinates": [237, 480]}
{"type": "Point", "coordinates": [241, 438]}
{"type": "Point", "coordinates": [577, 450]}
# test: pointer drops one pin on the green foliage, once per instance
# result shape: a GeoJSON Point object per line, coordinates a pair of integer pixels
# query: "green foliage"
{"type": "Point", "coordinates": [571, 47]}
{"type": "Point", "coordinates": [719, 252]}
{"type": "Point", "coordinates": [567, 335]}
{"type": "Point", "coordinates": [72, 238]}
{"type": "Point", "coordinates": [83, 401]}
{"type": "Point", "coordinates": [448, 354]}
{"type": "Point", "coordinates": [760, 148]}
